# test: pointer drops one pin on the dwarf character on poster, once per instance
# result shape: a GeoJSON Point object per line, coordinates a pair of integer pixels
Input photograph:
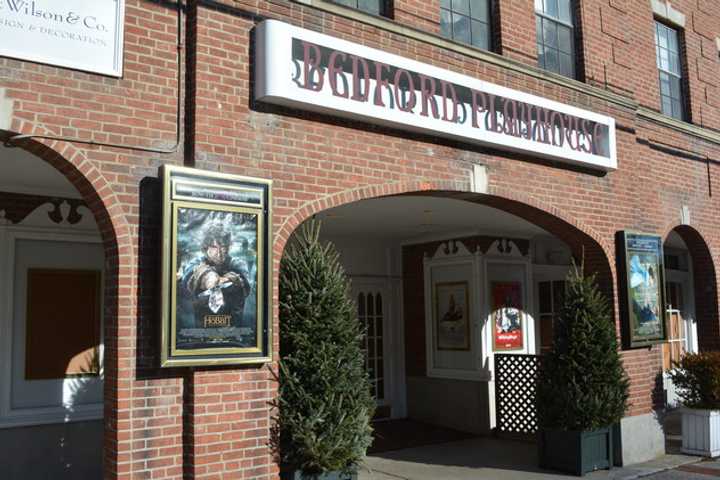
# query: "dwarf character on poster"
{"type": "Point", "coordinates": [216, 278]}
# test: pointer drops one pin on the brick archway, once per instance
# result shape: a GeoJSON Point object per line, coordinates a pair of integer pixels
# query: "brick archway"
{"type": "Point", "coordinates": [705, 285]}
{"type": "Point", "coordinates": [116, 235]}
{"type": "Point", "coordinates": [583, 240]}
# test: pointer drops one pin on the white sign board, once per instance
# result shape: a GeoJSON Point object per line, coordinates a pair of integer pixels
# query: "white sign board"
{"type": "Point", "coordinates": [79, 34]}
{"type": "Point", "coordinates": [303, 69]}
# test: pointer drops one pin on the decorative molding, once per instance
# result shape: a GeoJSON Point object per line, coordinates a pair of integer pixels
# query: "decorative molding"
{"type": "Point", "coordinates": [48, 215]}
{"type": "Point", "coordinates": [678, 125]}
{"type": "Point", "coordinates": [685, 215]}
{"type": "Point", "coordinates": [469, 51]}
{"type": "Point", "coordinates": [506, 248]}
{"type": "Point", "coordinates": [666, 11]}
{"type": "Point", "coordinates": [3, 219]}
{"type": "Point", "coordinates": [451, 248]}
{"type": "Point", "coordinates": [479, 179]}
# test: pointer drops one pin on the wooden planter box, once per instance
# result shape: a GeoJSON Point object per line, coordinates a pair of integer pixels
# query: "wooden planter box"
{"type": "Point", "coordinates": [299, 475]}
{"type": "Point", "coordinates": [701, 432]}
{"type": "Point", "coordinates": [576, 452]}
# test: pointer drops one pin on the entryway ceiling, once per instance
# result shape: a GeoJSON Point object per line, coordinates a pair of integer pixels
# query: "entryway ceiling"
{"type": "Point", "coordinates": [23, 172]}
{"type": "Point", "coordinates": [408, 217]}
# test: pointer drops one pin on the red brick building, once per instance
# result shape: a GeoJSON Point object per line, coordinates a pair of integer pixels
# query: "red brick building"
{"type": "Point", "coordinates": [79, 191]}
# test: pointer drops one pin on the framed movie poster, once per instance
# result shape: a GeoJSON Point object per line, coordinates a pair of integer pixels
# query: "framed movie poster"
{"type": "Point", "coordinates": [644, 288]}
{"type": "Point", "coordinates": [452, 324]}
{"type": "Point", "coordinates": [215, 264]}
{"type": "Point", "coordinates": [507, 316]}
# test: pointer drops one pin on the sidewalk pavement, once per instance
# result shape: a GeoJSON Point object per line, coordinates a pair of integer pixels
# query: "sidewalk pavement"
{"type": "Point", "coordinates": [488, 459]}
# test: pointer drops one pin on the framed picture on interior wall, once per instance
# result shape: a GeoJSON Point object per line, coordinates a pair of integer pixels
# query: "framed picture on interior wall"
{"type": "Point", "coordinates": [215, 264]}
{"type": "Point", "coordinates": [452, 316]}
{"type": "Point", "coordinates": [507, 316]}
{"type": "Point", "coordinates": [642, 288]}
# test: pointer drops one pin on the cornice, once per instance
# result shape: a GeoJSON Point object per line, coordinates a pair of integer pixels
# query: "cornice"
{"type": "Point", "coordinates": [711, 136]}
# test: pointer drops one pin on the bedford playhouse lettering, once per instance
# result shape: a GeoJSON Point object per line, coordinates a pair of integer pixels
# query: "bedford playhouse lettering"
{"type": "Point", "coordinates": [321, 73]}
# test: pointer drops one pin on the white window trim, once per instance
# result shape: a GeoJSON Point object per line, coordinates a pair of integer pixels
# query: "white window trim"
{"type": "Point", "coordinates": [9, 234]}
{"type": "Point", "coordinates": [666, 12]}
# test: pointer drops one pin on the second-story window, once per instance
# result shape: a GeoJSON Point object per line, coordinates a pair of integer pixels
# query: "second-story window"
{"type": "Point", "coordinates": [555, 32]}
{"type": "Point", "coordinates": [667, 48]}
{"type": "Point", "coordinates": [376, 7]}
{"type": "Point", "coordinates": [466, 21]}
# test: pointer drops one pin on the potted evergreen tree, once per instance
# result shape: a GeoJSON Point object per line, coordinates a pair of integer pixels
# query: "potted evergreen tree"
{"type": "Point", "coordinates": [697, 379]}
{"type": "Point", "coordinates": [582, 386]}
{"type": "Point", "coordinates": [325, 404]}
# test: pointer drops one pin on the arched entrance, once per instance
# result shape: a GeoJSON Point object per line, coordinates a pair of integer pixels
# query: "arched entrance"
{"type": "Point", "coordinates": [691, 298]}
{"type": "Point", "coordinates": [445, 282]}
{"type": "Point", "coordinates": [58, 316]}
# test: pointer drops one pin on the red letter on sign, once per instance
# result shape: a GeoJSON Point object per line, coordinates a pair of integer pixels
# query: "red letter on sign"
{"type": "Point", "coordinates": [444, 89]}
{"type": "Point", "coordinates": [380, 82]}
{"type": "Point", "coordinates": [428, 96]}
{"type": "Point", "coordinates": [334, 71]}
{"type": "Point", "coordinates": [400, 96]}
{"type": "Point", "coordinates": [358, 94]}
{"type": "Point", "coordinates": [312, 67]}
{"type": "Point", "coordinates": [478, 107]}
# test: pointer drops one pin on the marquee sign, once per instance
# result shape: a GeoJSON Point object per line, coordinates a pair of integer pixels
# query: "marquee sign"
{"type": "Point", "coordinates": [81, 34]}
{"type": "Point", "coordinates": [304, 69]}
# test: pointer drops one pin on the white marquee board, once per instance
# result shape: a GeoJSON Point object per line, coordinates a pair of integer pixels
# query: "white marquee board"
{"type": "Point", "coordinates": [300, 68]}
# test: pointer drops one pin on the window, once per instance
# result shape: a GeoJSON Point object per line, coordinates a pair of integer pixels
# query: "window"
{"type": "Point", "coordinates": [466, 21]}
{"type": "Point", "coordinates": [667, 48]}
{"type": "Point", "coordinates": [676, 345]}
{"type": "Point", "coordinates": [375, 7]}
{"type": "Point", "coordinates": [550, 299]}
{"type": "Point", "coordinates": [370, 314]}
{"type": "Point", "coordinates": [555, 33]}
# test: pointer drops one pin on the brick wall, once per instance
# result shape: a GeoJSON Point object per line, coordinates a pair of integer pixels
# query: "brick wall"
{"type": "Point", "coordinates": [210, 423]}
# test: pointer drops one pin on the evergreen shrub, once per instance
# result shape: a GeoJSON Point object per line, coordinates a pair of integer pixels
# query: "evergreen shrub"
{"type": "Point", "coordinates": [324, 404]}
{"type": "Point", "coordinates": [582, 385]}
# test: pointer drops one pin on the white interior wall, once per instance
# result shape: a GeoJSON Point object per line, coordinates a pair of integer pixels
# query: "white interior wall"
{"type": "Point", "coordinates": [370, 247]}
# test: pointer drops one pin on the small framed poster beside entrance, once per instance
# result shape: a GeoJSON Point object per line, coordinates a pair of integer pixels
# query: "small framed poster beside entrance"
{"type": "Point", "coordinates": [507, 316]}
{"type": "Point", "coordinates": [215, 268]}
{"type": "Point", "coordinates": [642, 288]}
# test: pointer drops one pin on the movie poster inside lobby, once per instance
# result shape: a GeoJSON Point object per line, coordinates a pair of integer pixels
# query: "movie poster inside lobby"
{"type": "Point", "coordinates": [507, 316]}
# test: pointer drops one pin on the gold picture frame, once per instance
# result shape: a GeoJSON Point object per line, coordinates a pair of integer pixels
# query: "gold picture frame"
{"type": "Point", "coordinates": [216, 260]}
{"type": "Point", "coordinates": [641, 275]}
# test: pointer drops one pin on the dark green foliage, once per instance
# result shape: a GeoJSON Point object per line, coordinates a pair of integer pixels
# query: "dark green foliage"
{"type": "Point", "coordinates": [582, 383]}
{"type": "Point", "coordinates": [325, 405]}
{"type": "Point", "coordinates": [697, 378]}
